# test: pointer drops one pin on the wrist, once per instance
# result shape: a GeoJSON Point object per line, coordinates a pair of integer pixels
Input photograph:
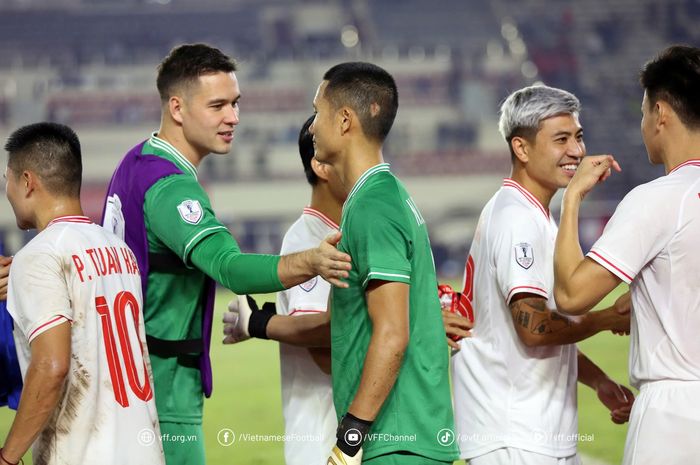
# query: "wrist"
{"type": "Point", "coordinates": [4, 460]}
{"type": "Point", "coordinates": [259, 319]}
{"type": "Point", "coordinates": [571, 198]}
{"type": "Point", "coordinates": [351, 434]}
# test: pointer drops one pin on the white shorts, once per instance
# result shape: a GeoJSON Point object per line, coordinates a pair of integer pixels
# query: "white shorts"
{"type": "Point", "coordinates": [664, 425]}
{"type": "Point", "coordinates": [513, 456]}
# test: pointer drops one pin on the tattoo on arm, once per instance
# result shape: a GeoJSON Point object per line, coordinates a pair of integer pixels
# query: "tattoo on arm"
{"type": "Point", "coordinates": [532, 314]}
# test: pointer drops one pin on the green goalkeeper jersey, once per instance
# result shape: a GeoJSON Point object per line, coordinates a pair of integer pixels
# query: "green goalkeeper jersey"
{"type": "Point", "coordinates": [179, 220]}
{"type": "Point", "coordinates": [387, 238]}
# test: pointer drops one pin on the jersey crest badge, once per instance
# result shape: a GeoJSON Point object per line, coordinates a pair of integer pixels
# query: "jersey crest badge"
{"type": "Point", "coordinates": [523, 255]}
{"type": "Point", "coordinates": [190, 211]}
{"type": "Point", "coordinates": [310, 284]}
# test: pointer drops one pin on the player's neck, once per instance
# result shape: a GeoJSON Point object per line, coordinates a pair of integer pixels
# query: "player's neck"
{"type": "Point", "coordinates": [173, 135]}
{"type": "Point", "coordinates": [542, 193]}
{"type": "Point", "coordinates": [685, 147]}
{"type": "Point", "coordinates": [56, 208]}
{"type": "Point", "coordinates": [322, 200]}
{"type": "Point", "coordinates": [358, 161]}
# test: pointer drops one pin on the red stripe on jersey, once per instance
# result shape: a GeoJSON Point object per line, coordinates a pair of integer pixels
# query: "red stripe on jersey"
{"type": "Point", "coordinates": [532, 288]}
{"type": "Point", "coordinates": [297, 310]}
{"type": "Point", "coordinates": [508, 182]}
{"type": "Point", "coordinates": [692, 162]}
{"type": "Point", "coordinates": [52, 321]}
{"type": "Point", "coordinates": [70, 219]}
{"type": "Point", "coordinates": [321, 216]}
{"type": "Point", "coordinates": [611, 264]}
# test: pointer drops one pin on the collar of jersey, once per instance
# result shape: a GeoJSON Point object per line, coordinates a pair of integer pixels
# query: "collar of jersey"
{"type": "Point", "coordinates": [691, 162]}
{"type": "Point", "coordinates": [366, 175]}
{"type": "Point", "coordinates": [177, 157]}
{"type": "Point", "coordinates": [510, 182]}
{"type": "Point", "coordinates": [313, 212]}
{"type": "Point", "coordinates": [70, 219]}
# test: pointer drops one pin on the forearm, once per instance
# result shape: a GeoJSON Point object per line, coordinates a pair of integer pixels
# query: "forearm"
{"type": "Point", "coordinates": [304, 331]}
{"type": "Point", "coordinates": [40, 396]}
{"type": "Point", "coordinates": [537, 325]}
{"type": "Point", "coordinates": [381, 368]}
{"type": "Point", "coordinates": [220, 258]}
{"type": "Point", "coordinates": [567, 252]}
{"type": "Point", "coordinates": [589, 373]}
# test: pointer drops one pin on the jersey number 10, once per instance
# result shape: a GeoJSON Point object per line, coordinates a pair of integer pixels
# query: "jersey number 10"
{"type": "Point", "coordinates": [122, 303]}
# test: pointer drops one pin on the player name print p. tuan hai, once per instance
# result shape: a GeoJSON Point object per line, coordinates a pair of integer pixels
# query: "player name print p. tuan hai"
{"type": "Point", "coordinates": [103, 261]}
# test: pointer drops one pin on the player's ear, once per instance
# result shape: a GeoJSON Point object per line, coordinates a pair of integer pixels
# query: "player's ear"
{"type": "Point", "coordinates": [521, 148]}
{"type": "Point", "coordinates": [347, 119]}
{"type": "Point", "coordinates": [175, 106]}
{"type": "Point", "coordinates": [320, 169]}
{"type": "Point", "coordinates": [28, 181]}
{"type": "Point", "coordinates": [661, 111]}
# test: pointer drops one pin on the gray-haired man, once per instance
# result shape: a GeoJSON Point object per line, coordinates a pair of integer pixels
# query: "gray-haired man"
{"type": "Point", "coordinates": [515, 378]}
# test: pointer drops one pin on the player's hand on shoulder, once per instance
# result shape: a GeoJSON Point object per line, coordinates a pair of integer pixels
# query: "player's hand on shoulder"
{"type": "Point", "coordinates": [5, 263]}
{"type": "Point", "coordinates": [236, 320]}
{"type": "Point", "coordinates": [592, 170]}
{"type": "Point", "coordinates": [328, 262]}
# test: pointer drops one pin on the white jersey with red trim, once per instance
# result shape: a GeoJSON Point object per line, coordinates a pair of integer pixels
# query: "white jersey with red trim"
{"type": "Point", "coordinates": [651, 243]}
{"type": "Point", "coordinates": [307, 395]}
{"type": "Point", "coordinates": [506, 394]}
{"type": "Point", "coordinates": [76, 271]}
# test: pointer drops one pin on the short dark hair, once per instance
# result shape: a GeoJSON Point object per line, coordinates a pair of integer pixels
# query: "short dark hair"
{"type": "Point", "coordinates": [360, 85]}
{"type": "Point", "coordinates": [50, 150]}
{"type": "Point", "coordinates": [186, 63]}
{"type": "Point", "coordinates": [673, 76]}
{"type": "Point", "coordinates": [306, 150]}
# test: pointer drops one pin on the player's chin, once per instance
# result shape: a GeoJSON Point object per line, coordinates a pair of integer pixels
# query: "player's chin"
{"type": "Point", "coordinates": [221, 148]}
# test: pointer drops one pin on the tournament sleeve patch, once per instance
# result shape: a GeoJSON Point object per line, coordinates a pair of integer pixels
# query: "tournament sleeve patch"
{"type": "Point", "coordinates": [524, 255]}
{"type": "Point", "coordinates": [190, 211]}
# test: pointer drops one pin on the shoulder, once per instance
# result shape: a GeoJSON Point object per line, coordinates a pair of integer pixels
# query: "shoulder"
{"type": "Point", "coordinates": [508, 212]}
{"type": "Point", "coordinates": [384, 195]}
{"type": "Point", "coordinates": [178, 190]}
{"type": "Point", "coordinates": [40, 251]}
{"type": "Point", "coordinates": [654, 197]}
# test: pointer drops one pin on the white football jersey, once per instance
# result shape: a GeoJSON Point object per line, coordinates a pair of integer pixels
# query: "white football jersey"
{"type": "Point", "coordinates": [76, 271]}
{"type": "Point", "coordinates": [307, 394]}
{"type": "Point", "coordinates": [651, 242]}
{"type": "Point", "coordinates": [506, 394]}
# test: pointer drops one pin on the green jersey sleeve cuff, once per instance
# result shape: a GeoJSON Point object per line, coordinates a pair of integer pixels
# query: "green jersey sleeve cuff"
{"type": "Point", "coordinates": [386, 274]}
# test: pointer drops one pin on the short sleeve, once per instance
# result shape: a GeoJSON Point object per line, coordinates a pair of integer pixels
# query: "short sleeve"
{"type": "Point", "coordinates": [178, 212]}
{"type": "Point", "coordinates": [38, 298]}
{"type": "Point", "coordinates": [381, 245]}
{"type": "Point", "coordinates": [306, 298]}
{"type": "Point", "coordinates": [520, 253]}
{"type": "Point", "coordinates": [640, 228]}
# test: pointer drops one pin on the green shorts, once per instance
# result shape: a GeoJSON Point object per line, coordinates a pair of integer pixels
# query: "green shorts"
{"type": "Point", "coordinates": [401, 459]}
{"type": "Point", "coordinates": [183, 443]}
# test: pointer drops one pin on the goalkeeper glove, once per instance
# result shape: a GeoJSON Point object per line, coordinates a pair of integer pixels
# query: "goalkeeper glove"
{"type": "Point", "coordinates": [339, 458]}
{"type": "Point", "coordinates": [350, 435]}
{"type": "Point", "coordinates": [244, 320]}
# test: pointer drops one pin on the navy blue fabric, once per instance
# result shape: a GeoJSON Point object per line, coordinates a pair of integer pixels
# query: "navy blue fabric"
{"type": "Point", "coordinates": [10, 375]}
